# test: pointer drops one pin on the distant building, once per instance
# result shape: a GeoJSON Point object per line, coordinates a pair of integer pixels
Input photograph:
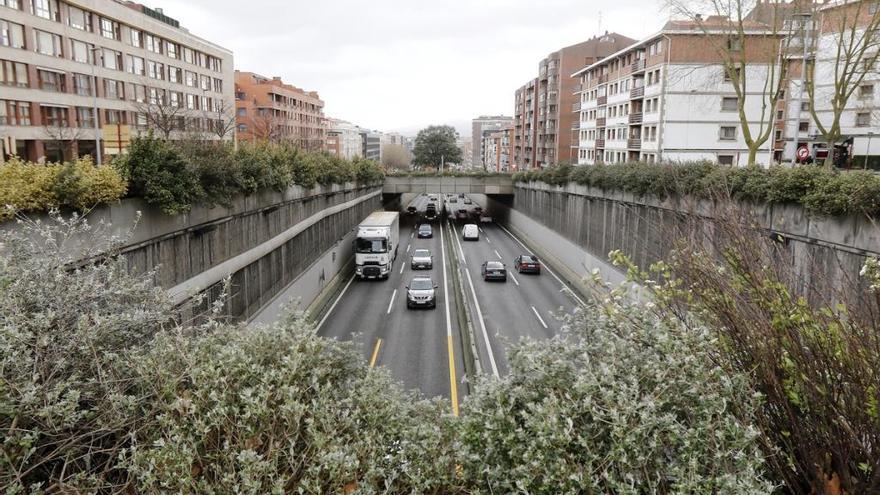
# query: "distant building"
{"type": "Point", "coordinates": [59, 60]}
{"type": "Point", "coordinates": [543, 106]}
{"type": "Point", "coordinates": [372, 145]}
{"type": "Point", "coordinates": [344, 139]}
{"type": "Point", "coordinates": [479, 127]}
{"type": "Point", "coordinates": [269, 109]}
{"type": "Point", "coordinates": [497, 150]}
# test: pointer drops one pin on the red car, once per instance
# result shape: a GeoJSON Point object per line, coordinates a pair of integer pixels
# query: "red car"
{"type": "Point", "coordinates": [527, 263]}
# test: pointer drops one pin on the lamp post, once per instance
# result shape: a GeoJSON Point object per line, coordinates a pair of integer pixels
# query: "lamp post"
{"type": "Point", "coordinates": [868, 151]}
{"type": "Point", "coordinates": [98, 153]}
{"type": "Point", "coordinates": [805, 19]}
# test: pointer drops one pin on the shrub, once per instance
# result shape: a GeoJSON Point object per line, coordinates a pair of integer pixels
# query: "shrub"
{"type": "Point", "coordinates": [157, 172]}
{"type": "Point", "coordinates": [81, 185]}
{"type": "Point", "coordinates": [26, 187]}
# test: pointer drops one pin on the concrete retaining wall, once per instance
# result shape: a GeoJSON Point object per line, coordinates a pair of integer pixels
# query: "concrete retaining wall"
{"type": "Point", "coordinates": [822, 250]}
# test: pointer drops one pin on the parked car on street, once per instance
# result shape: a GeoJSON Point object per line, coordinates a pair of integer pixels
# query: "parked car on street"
{"type": "Point", "coordinates": [420, 293]}
{"type": "Point", "coordinates": [421, 259]}
{"type": "Point", "coordinates": [494, 270]}
{"type": "Point", "coordinates": [527, 263]}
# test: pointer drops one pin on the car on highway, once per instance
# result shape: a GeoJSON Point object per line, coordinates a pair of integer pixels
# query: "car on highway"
{"type": "Point", "coordinates": [494, 270]}
{"type": "Point", "coordinates": [470, 232]}
{"type": "Point", "coordinates": [425, 231]}
{"type": "Point", "coordinates": [468, 201]}
{"type": "Point", "coordinates": [527, 263]}
{"type": "Point", "coordinates": [421, 293]}
{"type": "Point", "coordinates": [421, 259]}
{"type": "Point", "coordinates": [461, 214]}
{"type": "Point", "coordinates": [412, 210]}
{"type": "Point", "coordinates": [453, 199]}
{"type": "Point", "coordinates": [431, 211]}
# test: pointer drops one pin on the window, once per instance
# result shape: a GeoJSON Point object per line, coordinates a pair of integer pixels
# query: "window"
{"type": "Point", "coordinates": [136, 38]}
{"type": "Point", "coordinates": [11, 34]}
{"type": "Point", "coordinates": [54, 116]}
{"type": "Point", "coordinates": [12, 4]}
{"type": "Point", "coordinates": [114, 89]}
{"type": "Point", "coordinates": [866, 91]}
{"type": "Point", "coordinates": [109, 29]}
{"type": "Point", "coordinates": [84, 117]}
{"type": "Point", "coordinates": [136, 65]}
{"type": "Point", "coordinates": [804, 126]}
{"type": "Point", "coordinates": [780, 114]}
{"type": "Point", "coordinates": [205, 83]}
{"type": "Point", "coordinates": [192, 79]}
{"type": "Point", "coordinates": [734, 44]}
{"type": "Point", "coordinates": [175, 74]}
{"type": "Point", "coordinates": [78, 18]}
{"type": "Point", "coordinates": [218, 85]}
{"type": "Point", "coordinates": [113, 117]}
{"type": "Point", "coordinates": [139, 93]}
{"type": "Point", "coordinates": [805, 106]}
{"type": "Point", "coordinates": [157, 96]}
{"type": "Point", "coordinates": [51, 81]}
{"type": "Point", "coordinates": [15, 112]}
{"type": "Point", "coordinates": [82, 84]}
{"type": "Point", "coordinates": [737, 73]}
{"type": "Point", "coordinates": [154, 44]}
{"type": "Point", "coordinates": [171, 49]}
{"type": "Point", "coordinates": [175, 99]}
{"type": "Point", "coordinates": [727, 133]}
{"type": "Point", "coordinates": [48, 43]}
{"type": "Point", "coordinates": [188, 55]}
{"type": "Point", "coordinates": [778, 135]}
{"type": "Point", "coordinates": [863, 119]}
{"type": "Point", "coordinates": [80, 51]}
{"type": "Point", "coordinates": [191, 101]}
{"type": "Point", "coordinates": [112, 59]}
{"type": "Point", "coordinates": [155, 70]}
{"type": "Point", "coordinates": [140, 120]}
{"type": "Point", "coordinates": [242, 128]}
{"type": "Point", "coordinates": [729, 104]}
{"type": "Point", "coordinates": [13, 74]}
{"type": "Point", "coordinates": [725, 160]}
{"type": "Point", "coordinates": [47, 9]}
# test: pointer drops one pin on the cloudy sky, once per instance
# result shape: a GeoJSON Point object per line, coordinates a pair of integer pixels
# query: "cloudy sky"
{"type": "Point", "coordinates": [402, 64]}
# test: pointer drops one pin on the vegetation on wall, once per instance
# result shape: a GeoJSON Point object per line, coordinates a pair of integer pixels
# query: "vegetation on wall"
{"type": "Point", "coordinates": [102, 390]}
{"type": "Point", "coordinates": [30, 187]}
{"type": "Point", "coordinates": [818, 190]}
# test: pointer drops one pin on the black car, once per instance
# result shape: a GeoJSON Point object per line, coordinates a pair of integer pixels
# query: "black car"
{"type": "Point", "coordinates": [425, 231]}
{"type": "Point", "coordinates": [411, 210]}
{"type": "Point", "coordinates": [527, 263]}
{"type": "Point", "coordinates": [494, 270]}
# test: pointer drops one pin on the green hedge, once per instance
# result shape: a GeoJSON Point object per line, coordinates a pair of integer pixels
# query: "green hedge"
{"type": "Point", "coordinates": [174, 176]}
{"type": "Point", "coordinates": [27, 187]}
{"type": "Point", "coordinates": [818, 190]}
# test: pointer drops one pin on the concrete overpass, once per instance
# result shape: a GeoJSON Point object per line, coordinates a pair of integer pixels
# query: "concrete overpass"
{"type": "Point", "coordinates": [490, 185]}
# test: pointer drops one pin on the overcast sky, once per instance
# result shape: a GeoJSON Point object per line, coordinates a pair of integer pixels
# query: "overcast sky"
{"type": "Point", "coordinates": [403, 64]}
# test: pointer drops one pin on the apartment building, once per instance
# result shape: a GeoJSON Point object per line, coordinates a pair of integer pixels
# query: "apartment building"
{"type": "Point", "coordinates": [669, 96]}
{"type": "Point", "coordinates": [343, 139]}
{"type": "Point", "coordinates": [480, 127]}
{"type": "Point", "coordinates": [62, 59]}
{"type": "Point", "coordinates": [372, 145]}
{"type": "Point", "coordinates": [497, 154]}
{"type": "Point", "coordinates": [270, 109]}
{"type": "Point", "coordinates": [543, 106]}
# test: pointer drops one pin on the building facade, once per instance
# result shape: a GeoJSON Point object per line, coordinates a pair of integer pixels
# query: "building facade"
{"type": "Point", "coordinates": [669, 97]}
{"type": "Point", "coordinates": [372, 145]}
{"type": "Point", "coordinates": [59, 59]}
{"type": "Point", "coordinates": [480, 127]}
{"type": "Point", "coordinates": [343, 139]}
{"type": "Point", "coordinates": [542, 107]}
{"type": "Point", "coordinates": [269, 109]}
{"type": "Point", "coordinates": [497, 151]}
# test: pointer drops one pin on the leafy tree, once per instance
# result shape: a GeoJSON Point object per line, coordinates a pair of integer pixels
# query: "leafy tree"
{"type": "Point", "coordinates": [395, 156]}
{"type": "Point", "coordinates": [436, 145]}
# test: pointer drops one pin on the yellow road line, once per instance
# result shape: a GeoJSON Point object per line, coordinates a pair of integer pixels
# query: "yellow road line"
{"type": "Point", "coordinates": [453, 387]}
{"type": "Point", "coordinates": [375, 352]}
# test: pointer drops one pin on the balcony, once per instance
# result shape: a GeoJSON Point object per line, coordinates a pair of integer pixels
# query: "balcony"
{"type": "Point", "coordinates": [551, 97]}
{"type": "Point", "coordinates": [634, 143]}
{"type": "Point", "coordinates": [602, 100]}
{"type": "Point", "coordinates": [576, 106]}
{"type": "Point", "coordinates": [600, 122]}
{"type": "Point", "coordinates": [600, 143]}
{"type": "Point", "coordinates": [638, 66]}
{"type": "Point", "coordinates": [575, 125]}
{"type": "Point", "coordinates": [635, 118]}
{"type": "Point", "coordinates": [637, 92]}
{"type": "Point", "coordinates": [602, 79]}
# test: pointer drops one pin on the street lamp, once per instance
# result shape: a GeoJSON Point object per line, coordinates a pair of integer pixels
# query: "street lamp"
{"type": "Point", "coordinates": [868, 151]}
{"type": "Point", "coordinates": [95, 106]}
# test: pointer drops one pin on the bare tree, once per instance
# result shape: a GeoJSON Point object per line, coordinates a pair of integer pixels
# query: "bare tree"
{"type": "Point", "coordinates": [266, 127]}
{"type": "Point", "coordinates": [395, 156]}
{"type": "Point", "coordinates": [162, 116]}
{"type": "Point", "coordinates": [221, 119]}
{"type": "Point", "coordinates": [62, 137]}
{"type": "Point", "coordinates": [844, 51]}
{"type": "Point", "coordinates": [745, 34]}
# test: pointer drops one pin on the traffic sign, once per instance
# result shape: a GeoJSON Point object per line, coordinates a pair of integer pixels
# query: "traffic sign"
{"type": "Point", "coordinates": [803, 152]}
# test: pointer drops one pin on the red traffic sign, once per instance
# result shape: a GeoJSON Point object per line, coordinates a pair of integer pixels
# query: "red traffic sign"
{"type": "Point", "coordinates": [803, 153]}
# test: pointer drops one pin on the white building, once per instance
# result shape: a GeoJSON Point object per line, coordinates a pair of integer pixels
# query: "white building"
{"type": "Point", "coordinates": [344, 139]}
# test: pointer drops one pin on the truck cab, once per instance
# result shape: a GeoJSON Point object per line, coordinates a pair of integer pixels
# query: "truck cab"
{"type": "Point", "coordinates": [376, 245]}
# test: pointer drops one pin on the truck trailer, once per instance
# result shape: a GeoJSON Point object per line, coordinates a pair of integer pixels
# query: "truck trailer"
{"type": "Point", "coordinates": [378, 237]}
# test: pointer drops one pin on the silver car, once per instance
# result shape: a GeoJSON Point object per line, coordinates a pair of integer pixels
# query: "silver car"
{"type": "Point", "coordinates": [420, 293]}
{"type": "Point", "coordinates": [421, 260]}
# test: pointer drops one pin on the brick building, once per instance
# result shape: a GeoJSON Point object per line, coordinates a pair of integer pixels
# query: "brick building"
{"type": "Point", "coordinates": [542, 116]}
{"type": "Point", "coordinates": [480, 128]}
{"type": "Point", "coordinates": [270, 109]}
{"type": "Point", "coordinates": [61, 58]}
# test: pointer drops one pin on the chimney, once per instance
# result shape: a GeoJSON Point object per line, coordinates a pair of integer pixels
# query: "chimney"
{"type": "Point", "coordinates": [159, 10]}
{"type": "Point", "coordinates": [699, 17]}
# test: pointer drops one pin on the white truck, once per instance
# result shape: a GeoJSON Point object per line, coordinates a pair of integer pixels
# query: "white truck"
{"type": "Point", "coordinates": [375, 249]}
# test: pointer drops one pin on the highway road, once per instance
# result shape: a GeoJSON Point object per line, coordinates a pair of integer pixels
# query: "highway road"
{"type": "Point", "coordinates": [421, 347]}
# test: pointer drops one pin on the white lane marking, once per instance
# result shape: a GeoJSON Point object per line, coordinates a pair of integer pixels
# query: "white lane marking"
{"type": "Point", "coordinates": [545, 267]}
{"type": "Point", "coordinates": [496, 254]}
{"type": "Point", "coordinates": [402, 266]}
{"type": "Point", "coordinates": [481, 229]}
{"type": "Point", "coordinates": [391, 302]}
{"type": "Point", "coordinates": [407, 247]}
{"type": "Point", "coordinates": [487, 239]}
{"type": "Point", "coordinates": [412, 235]}
{"type": "Point", "coordinates": [539, 317]}
{"type": "Point", "coordinates": [482, 324]}
{"type": "Point", "coordinates": [514, 279]}
{"type": "Point", "coordinates": [333, 306]}
{"type": "Point", "coordinates": [457, 240]}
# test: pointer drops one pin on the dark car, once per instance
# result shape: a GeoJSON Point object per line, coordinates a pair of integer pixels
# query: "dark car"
{"type": "Point", "coordinates": [425, 231]}
{"type": "Point", "coordinates": [461, 214]}
{"type": "Point", "coordinates": [527, 263]}
{"type": "Point", "coordinates": [467, 201]}
{"type": "Point", "coordinates": [411, 210]}
{"type": "Point", "coordinates": [420, 293]}
{"type": "Point", "coordinates": [494, 270]}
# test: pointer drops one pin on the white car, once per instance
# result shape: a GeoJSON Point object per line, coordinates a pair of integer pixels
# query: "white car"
{"type": "Point", "coordinates": [421, 259]}
{"type": "Point", "coordinates": [470, 232]}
